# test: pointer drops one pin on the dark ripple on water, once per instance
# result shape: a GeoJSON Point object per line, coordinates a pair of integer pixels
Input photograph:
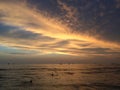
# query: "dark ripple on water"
{"type": "Point", "coordinates": [65, 78]}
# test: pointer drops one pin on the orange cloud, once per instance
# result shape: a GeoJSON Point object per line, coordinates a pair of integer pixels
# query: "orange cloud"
{"type": "Point", "coordinates": [20, 15]}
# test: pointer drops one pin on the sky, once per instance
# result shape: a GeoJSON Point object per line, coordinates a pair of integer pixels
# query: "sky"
{"type": "Point", "coordinates": [60, 31]}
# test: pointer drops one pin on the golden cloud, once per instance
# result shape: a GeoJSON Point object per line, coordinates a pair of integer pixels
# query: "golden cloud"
{"type": "Point", "coordinates": [64, 41]}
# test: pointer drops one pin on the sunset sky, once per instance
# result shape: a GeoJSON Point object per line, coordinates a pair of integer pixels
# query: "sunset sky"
{"type": "Point", "coordinates": [59, 31]}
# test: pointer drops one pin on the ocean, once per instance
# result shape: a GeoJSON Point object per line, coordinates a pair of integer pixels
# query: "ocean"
{"type": "Point", "coordinates": [59, 77]}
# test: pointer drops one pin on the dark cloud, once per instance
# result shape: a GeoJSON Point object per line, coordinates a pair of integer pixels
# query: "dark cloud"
{"type": "Point", "coordinates": [61, 43]}
{"type": "Point", "coordinates": [98, 17]}
{"type": "Point", "coordinates": [16, 32]}
{"type": "Point", "coordinates": [103, 51]}
{"type": "Point", "coordinates": [49, 6]}
{"type": "Point", "coordinates": [91, 51]}
{"type": "Point", "coordinates": [96, 50]}
{"type": "Point", "coordinates": [84, 44]}
{"type": "Point", "coordinates": [58, 44]}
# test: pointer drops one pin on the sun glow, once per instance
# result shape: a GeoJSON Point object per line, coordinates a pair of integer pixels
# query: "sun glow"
{"type": "Point", "coordinates": [56, 35]}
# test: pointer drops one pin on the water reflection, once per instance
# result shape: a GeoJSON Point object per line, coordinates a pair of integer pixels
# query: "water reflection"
{"type": "Point", "coordinates": [59, 77]}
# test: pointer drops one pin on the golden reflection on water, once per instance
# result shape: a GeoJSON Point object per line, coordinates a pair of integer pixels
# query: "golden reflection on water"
{"type": "Point", "coordinates": [59, 77]}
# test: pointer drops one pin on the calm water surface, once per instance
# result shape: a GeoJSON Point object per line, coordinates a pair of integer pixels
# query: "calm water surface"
{"type": "Point", "coordinates": [59, 77]}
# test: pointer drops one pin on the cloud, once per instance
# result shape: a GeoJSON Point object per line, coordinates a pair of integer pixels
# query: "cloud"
{"type": "Point", "coordinates": [27, 28]}
{"type": "Point", "coordinates": [93, 18]}
{"type": "Point", "coordinates": [16, 51]}
{"type": "Point", "coordinates": [117, 3]}
{"type": "Point", "coordinates": [15, 32]}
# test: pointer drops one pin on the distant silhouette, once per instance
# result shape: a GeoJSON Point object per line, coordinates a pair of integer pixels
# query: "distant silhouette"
{"type": "Point", "coordinates": [27, 82]}
{"type": "Point", "coordinates": [52, 74]}
{"type": "Point", "coordinates": [30, 81]}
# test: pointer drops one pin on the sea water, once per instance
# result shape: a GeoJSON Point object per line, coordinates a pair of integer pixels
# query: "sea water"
{"type": "Point", "coordinates": [59, 77]}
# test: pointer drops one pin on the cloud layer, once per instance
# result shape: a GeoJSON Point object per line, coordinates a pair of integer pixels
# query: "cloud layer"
{"type": "Point", "coordinates": [25, 27]}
